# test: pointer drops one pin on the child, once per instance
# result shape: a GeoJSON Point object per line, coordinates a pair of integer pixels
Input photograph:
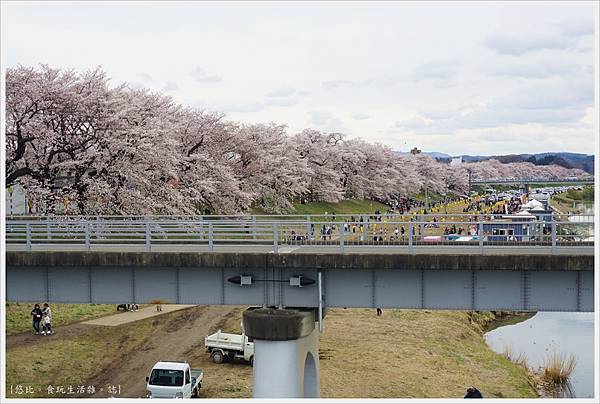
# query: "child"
{"type": "Point", "coordinates": [46, 320]}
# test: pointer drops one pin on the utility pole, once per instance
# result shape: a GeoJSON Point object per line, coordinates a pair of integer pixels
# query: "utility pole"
{"type": "Point", "coordinates": [470, 172]}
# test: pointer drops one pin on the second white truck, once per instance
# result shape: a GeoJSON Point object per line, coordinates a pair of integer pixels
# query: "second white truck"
{"type": "Point", "coordinates": [171, 379]}
{"type": "Point", "coordinates": [222, 346]}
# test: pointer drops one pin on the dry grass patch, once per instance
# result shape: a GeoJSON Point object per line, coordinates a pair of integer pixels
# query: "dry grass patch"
{"type": "Point", "coordinates": [407, 354]}
{"type": "Point", "coordinates": [68, 361]}
{"type": "Point", "coordinates": [558, 367]}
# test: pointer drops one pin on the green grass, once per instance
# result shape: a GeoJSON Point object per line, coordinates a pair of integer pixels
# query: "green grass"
{"type": "Point", "coordinates": [81, 355]}
{"type": "Point", "coordinates": [18, 319]}
{"type": "Point", "coordinates": [586, 195]}
{"type": "Point", "coordinates": [573, 201]}
{"type": "Point", "coordinates": [346, 207]}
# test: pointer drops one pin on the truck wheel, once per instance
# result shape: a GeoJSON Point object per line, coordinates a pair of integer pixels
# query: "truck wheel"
{"type": "Point", "coordinates": [252, 361]}
{"type": "Point", "coordinates": [217, 357]}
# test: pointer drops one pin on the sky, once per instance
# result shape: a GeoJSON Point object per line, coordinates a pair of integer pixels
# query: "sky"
{"type": "Point", "coordinates": [459, 78]}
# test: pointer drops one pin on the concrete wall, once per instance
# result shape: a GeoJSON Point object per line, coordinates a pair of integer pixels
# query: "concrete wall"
{"type": "Point", "coordinates": [315, 261]}
{"type": "Point", "coordinates": [528, 283]}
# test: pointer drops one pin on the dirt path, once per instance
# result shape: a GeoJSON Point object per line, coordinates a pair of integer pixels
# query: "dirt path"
{"type": "Point", "coordinates": [64, 331]}
{"type": "Point", "coordinates": [131, 316]}
{"type": "Point", "coordinates": [174, 336]}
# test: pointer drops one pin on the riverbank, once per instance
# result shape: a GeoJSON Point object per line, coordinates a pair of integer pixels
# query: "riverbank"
{"type": "Point", "coordinates": [557, 347]}
{"type": "Point", "coordinates": [402, 354]}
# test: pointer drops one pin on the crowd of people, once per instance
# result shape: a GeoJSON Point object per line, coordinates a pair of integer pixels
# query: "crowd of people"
{"type": "Point", "coordinates": [380, 226]}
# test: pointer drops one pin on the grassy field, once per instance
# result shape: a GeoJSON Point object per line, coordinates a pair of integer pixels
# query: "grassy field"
{"type": "Point", "coordinates": [18, 318]}
{"type": "Point", "coordinates": [574, 201]}
{"type": "Point", "coordinates": [343, 207]}
{"type": "Point", "coordinates": [411, 354]}
{"type": "Point", "coordinates": [70, 360]}
{"type": "Point", "coordinates": [401, 354]}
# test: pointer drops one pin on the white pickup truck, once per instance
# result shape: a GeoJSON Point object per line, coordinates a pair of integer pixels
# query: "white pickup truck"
{"type": "Point", "coordinates": [221, 345]}
{"type": "Point", "coordinates": [173, 380]}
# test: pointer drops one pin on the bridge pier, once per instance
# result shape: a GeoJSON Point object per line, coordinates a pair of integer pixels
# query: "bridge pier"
{"type": "Point", "coordinates": [286, 354]}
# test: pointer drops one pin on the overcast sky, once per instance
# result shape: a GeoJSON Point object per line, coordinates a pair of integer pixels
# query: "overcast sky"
{"type": "Point", "coordinates": [464, 78]}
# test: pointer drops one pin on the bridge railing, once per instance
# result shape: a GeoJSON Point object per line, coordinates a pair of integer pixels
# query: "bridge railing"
{"type": "Point", "coordinates": [341, 232]}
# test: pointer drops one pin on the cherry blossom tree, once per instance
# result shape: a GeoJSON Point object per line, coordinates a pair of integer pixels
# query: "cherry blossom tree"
{"type": "Point", "coordinates": [74, 140]}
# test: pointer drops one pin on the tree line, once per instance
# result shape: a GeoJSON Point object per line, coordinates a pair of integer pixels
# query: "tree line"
{"type": "Point", "coordinates": [117, 150]}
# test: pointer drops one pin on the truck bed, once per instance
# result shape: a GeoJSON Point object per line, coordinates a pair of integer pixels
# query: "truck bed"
{"type": "Point", "coordinates": [223, 340]}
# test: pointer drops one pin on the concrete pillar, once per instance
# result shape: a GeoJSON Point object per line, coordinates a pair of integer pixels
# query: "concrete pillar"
{"type": "Point", "coordinates": [286, 354]}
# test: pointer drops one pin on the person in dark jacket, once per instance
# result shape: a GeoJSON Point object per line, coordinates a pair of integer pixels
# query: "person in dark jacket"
{"type": "Point", "coordinates": [36, 317]}
{"type": "Point", "coordinates": [472, 392]}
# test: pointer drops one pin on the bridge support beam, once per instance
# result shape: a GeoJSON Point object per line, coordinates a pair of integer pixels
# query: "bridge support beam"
{"type": "Point", "coordinates": [286, 354]}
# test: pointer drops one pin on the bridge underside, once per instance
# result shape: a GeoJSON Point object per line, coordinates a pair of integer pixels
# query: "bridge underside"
{"type": "Point", "coordinates": [437, 282]}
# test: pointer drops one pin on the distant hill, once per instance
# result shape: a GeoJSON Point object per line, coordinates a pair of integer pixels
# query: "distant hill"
{"type": "Point", "coordinates": [584, 162]}
{"type": "Point", "coordinates": [437, 155]}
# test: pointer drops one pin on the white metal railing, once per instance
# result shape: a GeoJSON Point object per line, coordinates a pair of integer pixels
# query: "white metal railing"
{"type": "Point", "coordinates": [340, 231]}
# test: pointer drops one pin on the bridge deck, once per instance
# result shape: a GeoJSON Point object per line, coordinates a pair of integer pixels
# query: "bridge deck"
{"type": "Point", "coordinates": [319, 249]}
{"type": "Point", "coordinates": [517, 282]}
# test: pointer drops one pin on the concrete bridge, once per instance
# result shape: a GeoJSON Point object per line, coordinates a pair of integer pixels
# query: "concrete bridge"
{"type": "Point", "coordinates": [292, 291]}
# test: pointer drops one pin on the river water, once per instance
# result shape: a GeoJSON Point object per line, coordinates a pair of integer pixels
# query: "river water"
{"type": "Point", "coordinates": [565, 333]}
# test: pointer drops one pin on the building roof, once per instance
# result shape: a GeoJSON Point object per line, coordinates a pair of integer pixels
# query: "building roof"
{"type": "Point", "coordinates": [533, 203]}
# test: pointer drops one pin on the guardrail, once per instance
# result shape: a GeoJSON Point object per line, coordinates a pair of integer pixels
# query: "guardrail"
{"type": "Point", "coordinates": [533, 180]}
{"type": "Point", "coordinates": [339, 231]}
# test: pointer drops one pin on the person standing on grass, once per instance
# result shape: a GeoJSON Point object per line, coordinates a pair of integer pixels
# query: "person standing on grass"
{"type": "Point", "coordinates": [36, 317]}
{"type": "Point", "coordinates": [46, 320]}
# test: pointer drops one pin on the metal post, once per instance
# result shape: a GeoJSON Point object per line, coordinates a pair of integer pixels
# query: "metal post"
{"type": "Point", "coordinates": [254, 227]}
{"type": "Point", "coordinates": [308, 227]}
{"type": "Point", "coordinates": [553, 238]}
{"type": "Point", "coordinates": [28, 236]}
{"type": "Point", "coordinates": [48, 229]}
{"type": "Point", "coordinates": [342, 231]}
{"type": "Point", "coordinates": [480, 235]}
{"type": "Point", "coordinates": [275, 238]}
{"type": "Point", "coordinates": [87, 235]}
{"type": "Point", "coordinates": [148, 235]}
{"type": "Point", "coordinates": [410, 238]}
{"type": "Point", "coordinates": [320, 302]}
{"type": "Point", "coordinates": [210, 237]}
{"type": "Point", "coordinates": [201, 228]}
{"type": "Point", "coordinates": [421, 220]}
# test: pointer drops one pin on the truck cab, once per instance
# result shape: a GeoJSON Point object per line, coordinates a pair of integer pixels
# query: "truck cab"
{"type": "Point", "coordinates": [173, 379]}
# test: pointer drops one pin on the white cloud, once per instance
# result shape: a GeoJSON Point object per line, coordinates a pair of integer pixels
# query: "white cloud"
{"type": "Point", "coordinates": [360, 116]}
{"type": "Point", "coordinates": [282, 102]}
{"type": "Point", "coordinates": [489, 69]}
{"type": "Point", "coordinates": [144, 76]}
{"type": "Point", "coordinates": [325, 120]}
{"type": "Point", "coordinates": [245, 107]}
{"type": "Point", "coordinates": [519, 45]}
{"type": "Point", "coordinates": [170, 86]}
{"type": "Point", "coordinates": [282, 92]}
{"type": "Point", "coordinates": [416, 122]}
{"type": "Point", "coordinates": [200, 75]}
{"type": "Point", "coordinates": [436, 70]}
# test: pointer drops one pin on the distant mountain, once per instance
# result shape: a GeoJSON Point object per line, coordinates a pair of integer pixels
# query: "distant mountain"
{"type": "Point", "coordinates": [438, 155]}
{"type": "Point", "coordinates": [584, 162]}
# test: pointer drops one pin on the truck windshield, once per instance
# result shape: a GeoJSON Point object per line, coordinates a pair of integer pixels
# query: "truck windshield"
{"type": "Point", "coordinates": [163, 377]}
